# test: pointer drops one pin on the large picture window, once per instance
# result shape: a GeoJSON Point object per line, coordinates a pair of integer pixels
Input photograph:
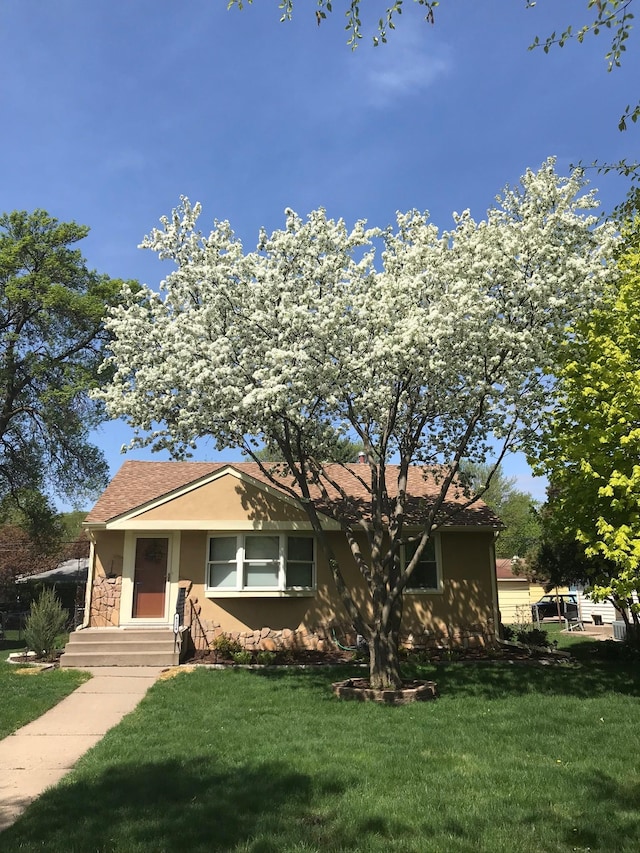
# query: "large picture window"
{"type": "Point", "coordinates": [426, 575]}
{"type": "Point", "coordinates": [263, 562]}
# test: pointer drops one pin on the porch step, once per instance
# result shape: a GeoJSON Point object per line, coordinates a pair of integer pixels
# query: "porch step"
{"type": "Point", "coordinates": [120, 647]}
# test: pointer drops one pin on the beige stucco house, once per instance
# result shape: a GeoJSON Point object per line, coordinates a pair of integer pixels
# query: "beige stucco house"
{"type": "Point", "coordinates": [229, 552]}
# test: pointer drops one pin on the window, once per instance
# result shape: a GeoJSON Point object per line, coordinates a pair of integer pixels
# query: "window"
{"type": "Point", "coordinates": [261, 565]}
{"type": "Point", "coordinates": [425, 576]}
{"type": "Point", "coordinates": [223, 567]}
{"type": "Point", "coordinates": [300, 563]}
{"type": "Point", "coordinates": [274, 562]}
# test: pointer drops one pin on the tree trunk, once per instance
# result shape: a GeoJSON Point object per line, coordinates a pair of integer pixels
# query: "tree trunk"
{"type": "Point", "coordinates": [384, 666]}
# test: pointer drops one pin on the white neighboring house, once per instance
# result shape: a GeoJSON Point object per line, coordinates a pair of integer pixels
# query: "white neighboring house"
{"type": "Point", "coordinates": [603, 612]}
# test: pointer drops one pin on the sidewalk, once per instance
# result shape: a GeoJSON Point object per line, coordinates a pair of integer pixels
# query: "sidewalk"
{"type": "Point", "coordinates": [39, 754]}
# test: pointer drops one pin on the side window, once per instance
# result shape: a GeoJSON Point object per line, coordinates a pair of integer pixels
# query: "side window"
{"type": "Point", "coordinates": [300, 562]}
{"type": "Point", "coordinates": [425, 574]}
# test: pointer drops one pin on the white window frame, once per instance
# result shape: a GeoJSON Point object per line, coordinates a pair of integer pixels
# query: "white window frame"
{"type": "Point", "coordinates": [281, 590]}
{"type": "Point", "coordinates": [419, 590]}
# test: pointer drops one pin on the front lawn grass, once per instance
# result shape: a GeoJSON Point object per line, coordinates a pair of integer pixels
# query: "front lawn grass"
{"type": "Point", "coordinates": [510, 758]}
{"type": "Point", "coordinates": [26, 693]}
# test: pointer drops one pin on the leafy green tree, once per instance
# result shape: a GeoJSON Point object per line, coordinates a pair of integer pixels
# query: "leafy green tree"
{"type": "Point", "coordinates": [590, 448]}
{"type": "Point", "coordinates": [51, 346]}
{"type": "Point", "coordinates": [516, 509]}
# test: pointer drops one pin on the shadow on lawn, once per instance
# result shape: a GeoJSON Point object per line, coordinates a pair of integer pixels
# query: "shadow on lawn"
{"type": "Point", "coordinates": [499, 680]}
{"type": "Point", "coordinates": [267, 808]}
{"type": "Point", "coordinates": [621, 830]}
{"type": "Point", "coordinates": [589, 677]}
{"type": "Point", "coordinates": [196, 807]}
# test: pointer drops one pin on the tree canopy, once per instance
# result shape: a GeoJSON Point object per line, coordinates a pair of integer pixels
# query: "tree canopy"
{"type": "Point", "coordinates": [51, 345]}
{"type": "Point", "coordinates": [430, 347]}
{"type": "Point", "coordinates": [590, 448]}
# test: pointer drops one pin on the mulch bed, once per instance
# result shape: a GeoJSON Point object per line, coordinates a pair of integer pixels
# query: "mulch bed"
{"type": "Point", "coordinates": [299, 657]}
{"type": "Point", "coordinates": [337, 657]}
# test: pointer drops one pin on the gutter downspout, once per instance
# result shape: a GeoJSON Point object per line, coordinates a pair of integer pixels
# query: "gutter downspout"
{"type": "Point", "coordinates": [89, 587]}
{"type": "Point", "coordinates": [494, 586]}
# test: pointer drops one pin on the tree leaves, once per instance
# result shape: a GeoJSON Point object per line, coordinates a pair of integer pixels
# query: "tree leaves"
{"type": "Point", "coordinates": [51, 340]}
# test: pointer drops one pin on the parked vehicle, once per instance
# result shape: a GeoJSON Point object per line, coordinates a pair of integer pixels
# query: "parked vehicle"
{"type": "Point", "coordinates": [548, 605]}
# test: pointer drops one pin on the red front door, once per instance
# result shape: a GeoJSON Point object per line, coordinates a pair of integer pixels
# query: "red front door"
{"type": "Point", "coordinates": [150, 578]}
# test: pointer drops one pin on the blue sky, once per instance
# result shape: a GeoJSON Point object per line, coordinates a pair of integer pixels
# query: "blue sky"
{"type": "Point", "coordinates": [110, 110]}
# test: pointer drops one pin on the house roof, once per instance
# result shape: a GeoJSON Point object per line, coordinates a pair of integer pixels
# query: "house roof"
{"type": "Point", "coordinates": [70, 571]}
{"type": "Point", "coordinates": [139, 483]}
{"type": "Point", "coordinates": [504, 571]}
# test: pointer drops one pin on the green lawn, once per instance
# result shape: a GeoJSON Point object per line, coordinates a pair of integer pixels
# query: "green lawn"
{"type": "Point", "coordinates": [510, 758]}
{"type": "Point", "coordinates": [24, 696]}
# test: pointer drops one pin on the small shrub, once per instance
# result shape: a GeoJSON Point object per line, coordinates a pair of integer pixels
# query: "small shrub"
{"type": "Point", "coordinates": [508, 632]}
{"type": "Point", "coordinates": [242, 656]}
{"type": "Point", "coordinates": [266, 658]}
{"type": "Point", "coordinates": [46, 621]}
{"type": "Point", "coordinates": [225, 646]}
{"type": "Point", "coordinates": [288, 655]}
{"type": "Point", "coordinates": [529, 636]}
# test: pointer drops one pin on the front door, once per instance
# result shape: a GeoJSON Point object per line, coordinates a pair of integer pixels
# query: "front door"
{"type": "Point", "coordinates": [150, 578]}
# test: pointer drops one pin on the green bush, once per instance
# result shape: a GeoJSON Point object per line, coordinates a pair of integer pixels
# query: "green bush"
{"type": "Point", "coordinates": [265, 658]}
{"type": "Point", "coordinates": [527, 635]}
{"type": "Point", "coordinates": [242, 657]}
{"type": "Point", "coordinates": [225, 646]}
{"type": "Point", "coordinates": [45, 623]}
{"type": "Point", "coordinates": [532, 636]}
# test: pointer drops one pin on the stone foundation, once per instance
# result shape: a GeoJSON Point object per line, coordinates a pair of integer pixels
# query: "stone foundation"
{"type": "Point", "coordinates": [105, 602]}
{"type": "Point", "coordinates": [460, 637]}
{"type": "Point", "coordinates": [323, 638]}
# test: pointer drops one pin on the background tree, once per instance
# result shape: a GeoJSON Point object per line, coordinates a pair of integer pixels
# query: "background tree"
{"type": "Point", "coordinates": [340, 449]}
{"type": "Point", "coordinates": [22, 553]}
{"type": "Point", "coordinates": [433, 358]}
{"type": "Point", "coordinates": [558, 559]}
{"type": "Point", "coordinates": [516, 509]}
{"type": "Point", "coordinates": [591, 445]}
{"type": "Point", "coordinates": [19, 556]}
{"type": "Point", "coordinates": [51, 345]}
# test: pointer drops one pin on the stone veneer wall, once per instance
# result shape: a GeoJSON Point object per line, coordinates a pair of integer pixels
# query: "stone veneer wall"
{"type": "Point", "coordinates": [105, 602]}
{"type": "Point", "coordinates": [459, 637]}
{"type": "Point", "coordinates": [204, 631]}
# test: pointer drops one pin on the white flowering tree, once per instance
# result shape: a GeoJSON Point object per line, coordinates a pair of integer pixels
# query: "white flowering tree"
{"type": "Point", "coordinates": [427, 347]}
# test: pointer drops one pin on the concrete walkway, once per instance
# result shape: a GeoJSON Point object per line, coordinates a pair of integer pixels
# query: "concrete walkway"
{"type": "Point", "coordinates": [39, 754]}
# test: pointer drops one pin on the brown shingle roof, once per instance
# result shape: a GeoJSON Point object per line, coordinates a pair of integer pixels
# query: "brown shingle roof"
{"type": "Point", "coordinates": [504, 570]}
{"type": "Point", "coordinates": [138, 483]}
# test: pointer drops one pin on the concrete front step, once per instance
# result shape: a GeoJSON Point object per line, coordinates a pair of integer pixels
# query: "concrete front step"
{"type": "Point", "coordinates": [133, 658]}
{"type": "Point", "coordinates": [121, 647]}
{"type": "Point", "coordinates": [119, 635]}
{"type": "Point", "coordinates": [116, 648]}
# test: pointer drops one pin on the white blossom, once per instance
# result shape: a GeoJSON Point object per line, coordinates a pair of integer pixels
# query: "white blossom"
{"type": "Point", "coordinates": [326, 327]}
